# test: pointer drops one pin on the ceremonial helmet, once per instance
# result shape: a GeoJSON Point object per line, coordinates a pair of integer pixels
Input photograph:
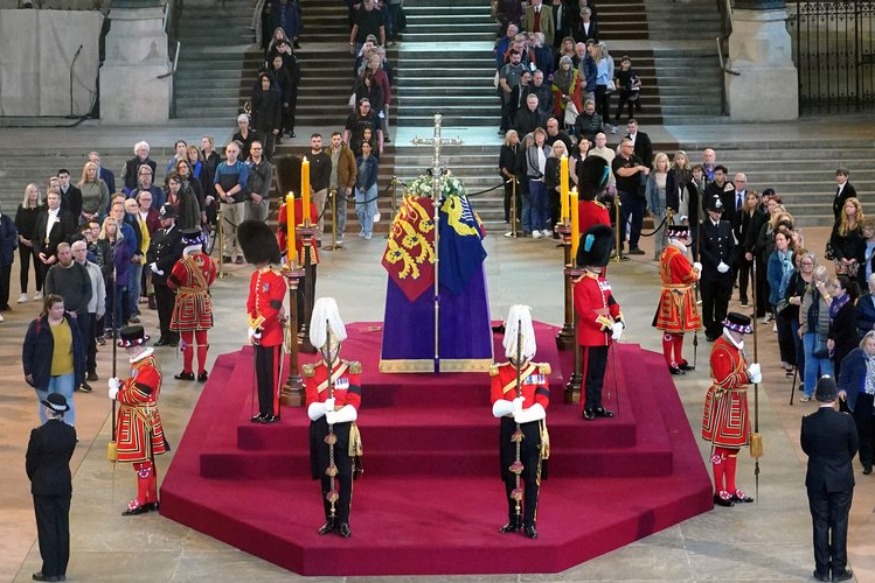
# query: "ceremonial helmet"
{"type": "Point", "coordinates": [593, 177]}
{"type": "Point", "coordinates": [132, 336]}
{"type": "Point", "coordinates": [714, 204]}
{"type": "Point", "coordinates": [327, 329]}
{"type": "Point", "coordinates": [519, 334]}
{"type": "Point", "coordinates": [192, 237]}
{"type": "Point", "coordinates": [595, 246]}
{"type": "Point", "coordinates": [677, 231]}
{"type": "Point", "coordinates": [258, 243]}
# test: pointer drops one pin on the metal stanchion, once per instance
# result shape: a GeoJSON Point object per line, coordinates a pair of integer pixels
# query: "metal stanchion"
{"type": "Point", "coordinates": [293, 389]}
{"type": "Point", "coordinates": [565, 337]}
{"type": "Point", "coordinates": [618, 255]}
{"type": "Point", "coordinates": [335, 246]}
{"type": "Point", "coordinates": [574, 384]}
{"type": "Point", "coordinates": [307, 232]}
{"type": "Point", "coordinates": [221, 219]}
{"type": "Point", "coordinates": [514, 216]}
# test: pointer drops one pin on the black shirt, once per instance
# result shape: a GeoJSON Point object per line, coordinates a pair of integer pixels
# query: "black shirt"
{"type": "Point", "coordinates": [627, 183]}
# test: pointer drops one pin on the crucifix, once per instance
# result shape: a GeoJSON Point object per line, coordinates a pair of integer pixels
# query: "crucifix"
{"type": "Point", "coordinates": [437, 141]}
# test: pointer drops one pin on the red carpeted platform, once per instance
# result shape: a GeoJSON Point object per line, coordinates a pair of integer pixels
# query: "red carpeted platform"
{"type": "Point", "coordinates": [431, 500]}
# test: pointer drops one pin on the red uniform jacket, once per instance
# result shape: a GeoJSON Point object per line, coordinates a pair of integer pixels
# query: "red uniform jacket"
{"type": "Point", "coordinates": [139, 433]}
{"type": "Point", "coordinates": [596, 310]}
{"type": "Point", "coordinates": [347, 383]}
{"type": "Point", "coordinates": [533, 380]}
{"type": "Point", "coordinates": [677, 312]}
{"type": "Point", "coordinates": [590, 212]}
{"type": "Point", "coordinates": [267, 289]}
{"type": "Point", "coordinates": [282, 233]}
{"type": "Point", "coordinates": [192, 277]}
{"type": "Point", "coordinates": [726, 421]}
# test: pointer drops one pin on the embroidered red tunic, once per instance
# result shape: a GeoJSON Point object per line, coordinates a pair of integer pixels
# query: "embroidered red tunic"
{"type": "Point", "coordinates": [139, 433]}
{"type": "Point", "coordinates": [677, 311]}
{"type": "Point", "coordinates": [347, 383]}
{"type": "Point", "coordinates": [192, 277]}
{"type": "Point", "coordinates": [726, 421]}
{"type": "Point", "coordinates": [533, 381]}
{"type": "Point", "coordinates": [267, 289]}
{"type": "Point", "coordinates": [596, 310]}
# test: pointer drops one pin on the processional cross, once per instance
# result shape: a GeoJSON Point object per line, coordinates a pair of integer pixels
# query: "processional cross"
{"type": "Point", "coordinates": [437, 141]}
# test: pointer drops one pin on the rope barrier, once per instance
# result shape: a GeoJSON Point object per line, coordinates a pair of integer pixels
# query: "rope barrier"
{"type": "Point", "coordinates": [656, 230]}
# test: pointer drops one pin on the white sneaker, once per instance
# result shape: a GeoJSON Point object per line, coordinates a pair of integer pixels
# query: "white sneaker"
{"type": "Point", "coordinates": [37, 296]}
{"type": "Point", "coordinates": [23, 299]}
{"type": "Point", "coordinates": [508, 235]}
{"type": "Point", "coordinates": [774, 327]}
{"type": "Point", "coordinates": [546, 233]}
{"type": "Point", "coordinates": [536, 234]}
{"type": "Point", "coordinates": [1, 317]}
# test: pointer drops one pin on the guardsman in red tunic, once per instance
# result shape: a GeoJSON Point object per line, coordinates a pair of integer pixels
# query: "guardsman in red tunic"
{"type": "Point", "coordinates": [264, 306]}
{"type": "Point", "coordinates": [282, 240]}
{"type": "Point", "coordinates": [520, 396]}
{"type": "Point", "coordinates": [592, 180]}
{"type": "Point", "coordinates": [139, 434]}
{"type": "Point", "coordinates": [726, 421]}
{"type": "Point", "coordinates": [599, 321]}
{"type": "Point", "coordinates": [677, 312]}
{"type": "Point", "coordinates": [332, 405]}
{"type": "Point", "coordinates": [192, 317]}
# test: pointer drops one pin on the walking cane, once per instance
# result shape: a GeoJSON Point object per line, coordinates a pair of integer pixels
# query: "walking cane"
{"type": "Point", "coordinates": [112, 447]}
{"type": "Point", "coordinates": [793, 388]}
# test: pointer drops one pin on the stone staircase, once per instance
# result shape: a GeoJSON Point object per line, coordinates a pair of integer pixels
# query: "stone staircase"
{"type": "Point", "coordinates": [214, 40]}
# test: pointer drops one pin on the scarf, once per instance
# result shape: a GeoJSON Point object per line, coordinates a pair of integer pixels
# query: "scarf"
{"type": "Point", "coordinates": [563, 80]}
{"type": "Point", "coordinates": [836, 306]}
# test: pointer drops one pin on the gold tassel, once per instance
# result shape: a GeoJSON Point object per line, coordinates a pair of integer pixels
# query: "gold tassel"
{"type": "Point", "coordinates": [112, 451]}
{"type": "Point", "coordinates": [756, 446]}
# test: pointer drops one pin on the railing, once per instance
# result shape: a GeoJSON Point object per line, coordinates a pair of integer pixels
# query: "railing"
{"type": "Point", "coordinates": [834, 55]}
{"type": "Point", "coordinates": [726, 27]}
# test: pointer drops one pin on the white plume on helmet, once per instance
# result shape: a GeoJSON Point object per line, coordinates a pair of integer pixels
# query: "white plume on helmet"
{"type": "Point", "coordinates": [519, 320]}
{"type": "Point", "coordinates": [326, 318]}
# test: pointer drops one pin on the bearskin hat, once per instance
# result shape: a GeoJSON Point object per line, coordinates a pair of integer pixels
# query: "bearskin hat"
{"type": "Point", "coordinates": [593, 177]}
{"type": "Point", "coordinates": [258, 243]}
{"type": "Point", "coordinates": [595, 246]}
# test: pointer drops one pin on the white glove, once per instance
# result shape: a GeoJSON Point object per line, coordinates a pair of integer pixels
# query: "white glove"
{"type": "Point", "coordinates": [617, 331]}
{"type": "Point", "coordinates": [697, 266]}
{"type": "Point", "coordinates": [518, 404]}
{"type": "Point", "coordinates": [722, 267]}
{"type": "Point", "coordinates": [502, 407]}
{"type": "Point", "coordinates": [331, 417]}
{"type": "Point", "coordinates": [755, 374]}
{"type": "Point", "coordinates": [329, 405]}
{"type": "Point", "coordinates": [534, 413]}
{"type": "Point", "coordinates": [113, 384]}
{"type": "Point", "coordinates": [315, 411]}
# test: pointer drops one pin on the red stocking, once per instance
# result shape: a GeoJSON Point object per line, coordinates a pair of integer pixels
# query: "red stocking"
{"type": "Point", "coordinates": [678, 348]}
{"type": "Point", "coordinates": [153, 485]}
{"type": "Point", "coordinates": [202, 347]}
{"type": "Point", "coordinates": [144, 482]}
{"type": "Point", "coordinates": [666, 347]}
{"type": "Point", "coordinates": [187, 349]}
{"type": "Point", "coordinates": [718, 463]}
{"type": "Point", "coordinates": [731, 464]}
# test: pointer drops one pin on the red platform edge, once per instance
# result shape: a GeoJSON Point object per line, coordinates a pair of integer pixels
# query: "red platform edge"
{"type": "Point", "coordinates": [428, 525]}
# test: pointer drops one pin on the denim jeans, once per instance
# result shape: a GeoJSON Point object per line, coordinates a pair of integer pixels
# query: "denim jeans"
{"type": "Point", "coordinates": [815, 367]}
{"type": "Point", "coordinates": [540, 205]}
{"type": "Point", "coordinates": [366, 208]}
{"type": "Point", "coordinates": [63, 385]}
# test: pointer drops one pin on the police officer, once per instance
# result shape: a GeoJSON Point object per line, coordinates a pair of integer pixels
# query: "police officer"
{"type": "Point", "coordinates": [717, 252]}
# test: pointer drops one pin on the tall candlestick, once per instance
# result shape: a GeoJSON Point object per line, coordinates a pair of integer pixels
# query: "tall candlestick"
{"type": "Point", "coordinates": [305, 191]}
{"type": "Point", "coordinates": [292, 244]}
{"type": "Point", "coordinates": [563, 188]}
{"type": "Point", "coordinates": [575, 226]}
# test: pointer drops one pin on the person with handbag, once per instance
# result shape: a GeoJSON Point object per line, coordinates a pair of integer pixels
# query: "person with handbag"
{"type": "Point", "coordinates": [814, 330]}
{"type": "Point", "coordinates": [780, 268]}
{"type": "Point", "coordinates": [857, 394]}
{"type": "Point", "coordinates": [843, 336]}
{"type": "Point", "coordinates": [567, 93]}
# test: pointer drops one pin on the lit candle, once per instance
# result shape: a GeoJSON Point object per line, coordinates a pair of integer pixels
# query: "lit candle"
{"type": "Point", "coordinates": [305, 191]}
{"type": "Point", "coordinates": [575, 226]}
{"type": "Point", "coordinates": [563, 188]}
{"type": "Point", "coordinates": [292, 250]}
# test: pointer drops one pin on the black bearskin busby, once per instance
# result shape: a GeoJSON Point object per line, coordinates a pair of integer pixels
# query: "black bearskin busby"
{"type": "Point", "coordinates": [595, 246]}
{"type": "Point", "coordinates": [593, 177]}
{"type": "Point", "coordinates": [258, 243]}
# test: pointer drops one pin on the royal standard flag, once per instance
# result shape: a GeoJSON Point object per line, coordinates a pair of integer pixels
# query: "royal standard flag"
{"type": "Point", "coordinates": [410, 255]}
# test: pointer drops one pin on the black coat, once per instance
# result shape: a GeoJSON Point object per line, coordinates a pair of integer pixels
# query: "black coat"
{"type": "Point", "coordinates": [838, 202]}
{"type": "Point", "coordinates": [267, 110]}
{"type": "Point", "coordinates": [8, 240]}
{"type": "Point", "coordinates": [717, 245]}
{"type": "Point", "coordinates": [843, 330]}
{"type": "Point", "coordinates": [132, 168]}
{"type": "Point", "coordinates": [525, 121]}
{"type": "Point", "coordinates": [508, 160]}
{"type": "Point", "coordinates": [830, 440]}
{"type": "Point", "coordinates": [62, 230]}
{"type": "Point", "coordinates": [38, 347]}
{"type": "Point", "coordinates": [47, 461]}
{"type": "Point", "coordinates": [167, 252]}
{"type": "Point", "coordinates": [673, 198]}
{"type": "Point", "coordinates": [72, 201]}
{"type": "Point", "coordinates": [643, 148]}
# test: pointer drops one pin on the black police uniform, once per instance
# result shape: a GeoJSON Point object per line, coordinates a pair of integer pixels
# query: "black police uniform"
{"type": "Point", "coordinates": [717, 245]}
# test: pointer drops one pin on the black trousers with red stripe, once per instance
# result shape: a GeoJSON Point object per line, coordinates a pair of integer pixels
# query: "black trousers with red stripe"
{"type": "Point", "coordinates": [267, 360]}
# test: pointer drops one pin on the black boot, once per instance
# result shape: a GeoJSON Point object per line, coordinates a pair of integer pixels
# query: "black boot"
{"type": "Point", "coordinates": [530, 531]}
{"type": "Point", "coordinates": [514, 524]}
{"type": "Point", "coordinates": [327, 527]}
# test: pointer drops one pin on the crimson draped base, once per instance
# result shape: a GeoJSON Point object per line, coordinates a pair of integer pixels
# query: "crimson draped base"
{"type": "Point", "coordinates": [431, 498]}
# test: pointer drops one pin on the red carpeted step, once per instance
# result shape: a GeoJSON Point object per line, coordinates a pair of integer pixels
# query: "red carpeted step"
{"type": "Point", "coordinates": [444, 522]}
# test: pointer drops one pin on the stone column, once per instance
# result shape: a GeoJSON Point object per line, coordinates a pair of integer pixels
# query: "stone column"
{"type": "Point", "coordinates": [136, 55]}
{"type": "Point", "coordinates": [760, 49]}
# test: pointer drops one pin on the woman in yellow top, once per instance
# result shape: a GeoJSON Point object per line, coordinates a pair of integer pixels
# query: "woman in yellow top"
{"type": "Point", "coordinates": [53, 355]}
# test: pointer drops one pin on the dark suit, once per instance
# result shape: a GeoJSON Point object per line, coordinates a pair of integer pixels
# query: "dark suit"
{"type": "Point", "coordinates": [47, 243]}
{"type": "Point", "coordinates": [591, 34]}
{"type": "Point", "coordinates": [71, 200]}
{"type": "Point", "coordinates": [643, 148]}
{"type": "Point", "coordinates": [839, 199]}
{"type": "Point", "coordinates": [47, 463]}
{"type": "Point", "coordinates": [132, 168]}
{"type": "Point", "coordinates": [167, 252]}
{"type": "Point", "coordinates": [830, 440]}
{"type": "Point", "coordinates": [717, 245]}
